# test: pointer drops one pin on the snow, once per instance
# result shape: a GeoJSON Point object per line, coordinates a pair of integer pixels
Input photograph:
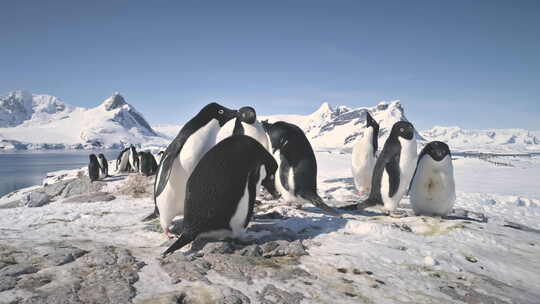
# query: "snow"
{"type": "Point", "coordinates": [415, 256]}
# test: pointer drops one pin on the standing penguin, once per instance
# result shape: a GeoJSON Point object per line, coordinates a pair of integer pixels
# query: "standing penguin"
{"type": "Point", "coordinates": [93, 168]}
{"type": "Point", "coordinates": [133, 159]}
{"type": "Point", "coordinates": [103, 166]}
{"type": "Point", "coordinates": [196, 137]}
{"type": "Point", "coordinates": [122, 162]}
{"type": "Point", "coordinates": [296, 180]}
{"type": "Point", "coordinates": [433, 190]}
{"type": "Point", "coordinates": [364, 156]}
{"type": "Point", "coordinates": [159, 155]}
{"type": "Point", "coordinates": [148, 163]}
{"type": "Point", "coordinates": [394, 168]}
{"type": "Point", "coordinates": [222, 189]}
{"type": "Point", "coordinates": [245, 124]}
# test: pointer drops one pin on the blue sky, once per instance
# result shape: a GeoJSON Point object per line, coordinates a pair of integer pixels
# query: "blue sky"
{"type": "Point", "coordinates": [475, 64]}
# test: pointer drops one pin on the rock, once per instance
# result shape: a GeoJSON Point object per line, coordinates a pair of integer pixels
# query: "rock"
{"type": "Point", "coordinates": [55, 189]}
{"type": "Point", "coordinates": [200, 293]}
{"type": "Point", "coordinates": [36, 198]}
{"type": "Point", "coordinates": [273, 295]}
{"type": "Point", "coordinates": [274, 215]}
{"type": "Point", "coordinates": [81, 185]}
{"type": "Point", "coordinates": [217, 247]}
{"type": "Point", "coordinates": [62, 255]}
{"type": "Point", "coordinates": [179, 268]}
{"type": "Point", "coordinates": [283, 248]}
{"type": "Point", "coordinates": [91, 198]}
{"type": "Point", "coordinates": [34, 281]}
{"type": "Point", "coordinates": [7, 283]}
{"type": "Point", "coordinates": [251, 250]}
{"type": "Point", "coordinates": [12, 204]}
{"type": "Point", "coordinates": [16, 270]}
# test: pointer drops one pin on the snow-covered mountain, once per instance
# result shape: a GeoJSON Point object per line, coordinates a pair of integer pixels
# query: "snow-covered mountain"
{"type": "Point", "coordinates": [19, 107]}
{"type": "Point", "coordinates": [492, 140]}
{"type": "Point", "coordinates": [44, 122]}
{"type": "Point", "coordinates": [341, 126]}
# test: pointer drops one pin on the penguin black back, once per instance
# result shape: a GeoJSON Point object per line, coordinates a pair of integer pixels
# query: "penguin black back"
{"type": "Point", "coordinates": [370, 122]}
{"type": "Point", "coordinates": [218, 184]}
{"type": "Point", "coordinates": [295, 152]}
{"type": "Point", "coordinates": [93, 168]}
{"type": "Point", "coordinates": [148, 163]}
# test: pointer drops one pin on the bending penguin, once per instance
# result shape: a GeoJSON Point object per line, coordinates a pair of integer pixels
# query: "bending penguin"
{"type": "Point", "coordinates": [195, 138]}
{"type": "Point", "coordinates": [93, 168]}
{"type": "Point", "coordinates": [103, 166]}
{"type": "Point", "coordinates": [394, 168]}
{"type": "Point", "coordinates": [364, 156]}
{"type": "Point", "coordinates": [433, 190]}
{"type": "Point", "coordinates": [222, 190]}
{"type": "Point", "coordinates": [133, 159]}
{"type": "Point", "coordinates": [245, 124]}
{"type": "Point", "coordinates": [122, 162]}
{"type": "Point", "coordinates": [296, 179]}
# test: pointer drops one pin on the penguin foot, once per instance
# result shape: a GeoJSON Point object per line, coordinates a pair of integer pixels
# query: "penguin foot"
{"type": "Point", "coordinates": [170, 235]}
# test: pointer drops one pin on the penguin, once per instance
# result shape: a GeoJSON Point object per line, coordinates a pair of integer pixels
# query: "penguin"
{"type": "Point", "coordinates": [122, 162]}
{"type": "Point", "coordinates": [432, 190]}
{"type": "Point", "coordinates": [148, 163]}
{"type": "Point", "coordinates": [139, 157]}
{"type": "Point", "coordinates": [364, 156]}
{"type": "Point", "coordinates": [93, 168]}
{"type": "Point", "coordinates": [103, 166]}
{"type": "Point", "coordinates": [195, 138]}
{"type": "Point", "coordinates": [394, 168]}
{"type": "Point", "coordinates": [133, 159]}
{"type": "Point", "coordinates": [296, 179]}
{"type": "Point", "coordinates": [221, 190]}
{"type": "Point", "coordinates": [245, 124]}
{"type": "Point", "coordinates": [158, 156]}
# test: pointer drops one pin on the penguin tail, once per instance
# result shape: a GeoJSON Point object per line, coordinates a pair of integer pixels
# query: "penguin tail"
{"type": "Point", "coordinates": [152, 215]}
{"type": "Point", "coordinates": [369, 202]}
{"type": "Point", "coordinates": [182, 241]}
{"type": "Point", "coordinates": [316, 200]}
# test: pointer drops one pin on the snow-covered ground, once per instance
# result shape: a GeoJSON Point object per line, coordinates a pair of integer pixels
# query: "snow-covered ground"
{"type": "Point", "coordinates": [363, 257]}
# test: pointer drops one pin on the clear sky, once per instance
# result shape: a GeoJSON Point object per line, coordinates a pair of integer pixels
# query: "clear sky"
{"type": "Point", "coordinates": [475, 64]}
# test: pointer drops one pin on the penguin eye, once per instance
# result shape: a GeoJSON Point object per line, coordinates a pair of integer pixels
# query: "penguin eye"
{"type": "Point", "coordinates": [220, 111]}
{"type": "Point", "coordinates": [401, 130]}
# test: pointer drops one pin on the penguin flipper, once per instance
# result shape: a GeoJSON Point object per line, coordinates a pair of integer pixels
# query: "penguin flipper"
{"type": "Point", "coordinates": [393, 171]}
{"type": "Point", "coordinates": [182, 241]}
{"type": "Point", "coordinates": [319, 203]}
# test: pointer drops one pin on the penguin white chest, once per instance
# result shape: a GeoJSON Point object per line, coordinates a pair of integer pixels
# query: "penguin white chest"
{"type": "Point", "coordinates": [286, 195]}
{"type": "Point", "coordinates": [240, 215]}
{"type": "Point", "coordinates": [256, 131]}
{"type": "Point", "coordinates": [363, 162]}
{"type": "Point", "coordinates": [407, 164]}
{"type": "Point", "coordinates": [171, 200]}
{"type": "Point", "coordinates": [433, 188]}
{"type": "Point", "coordinates": [124, 160]}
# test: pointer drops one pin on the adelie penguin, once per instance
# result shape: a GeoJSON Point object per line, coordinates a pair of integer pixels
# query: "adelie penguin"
{"type": "Point", "coordinates": [245, 124]}
{"type": "Point", "coordinates": [148, 163]}
{"type": "Point", "coordinates": [122, 162]}
{"type": "Point", "coordinates": [433, 190]}
{"type": "Point", "coordinates": [93, 168]}
{"type": "Point", "coordinates": [103, 166]}
{"type": "Point", "coordinates": [133, 159]}
{"type": "Point", "coordinates": [296, 179]}
{"type": "Point", "coordinates": [195, 138]}
{"type": "Point", "coordinates": [222, 190]}
{"type": "Point", "coordinates": [394, 168]}
{"type": "Point", "coordinates": [364, 156]}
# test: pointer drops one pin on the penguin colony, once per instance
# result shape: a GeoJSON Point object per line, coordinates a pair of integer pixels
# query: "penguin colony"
{"type": "Point", "coordinates": [213, 170]}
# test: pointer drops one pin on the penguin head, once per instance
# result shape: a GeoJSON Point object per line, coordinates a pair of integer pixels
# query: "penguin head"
{"type": "Point", "coordinates": [266, 125]}
{"type": "Point", "coordinates": [403, 129]}
{"type": "Point", "coordinates": [370, 122]}
{"type": "Point", "coordinates": [220, 113]}
{"type": "Point", "coordinates": [93, 158]}
{"type": "Point", "coordinates": [437, 150]}
{"type": "Point", "coordinates": [247, 115]}
{"type": "Point", "coordinates": [101, 156]}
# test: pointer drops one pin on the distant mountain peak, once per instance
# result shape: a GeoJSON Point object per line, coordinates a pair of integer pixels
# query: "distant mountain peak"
{"type": "Point", "coordinates": [115, 101]}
